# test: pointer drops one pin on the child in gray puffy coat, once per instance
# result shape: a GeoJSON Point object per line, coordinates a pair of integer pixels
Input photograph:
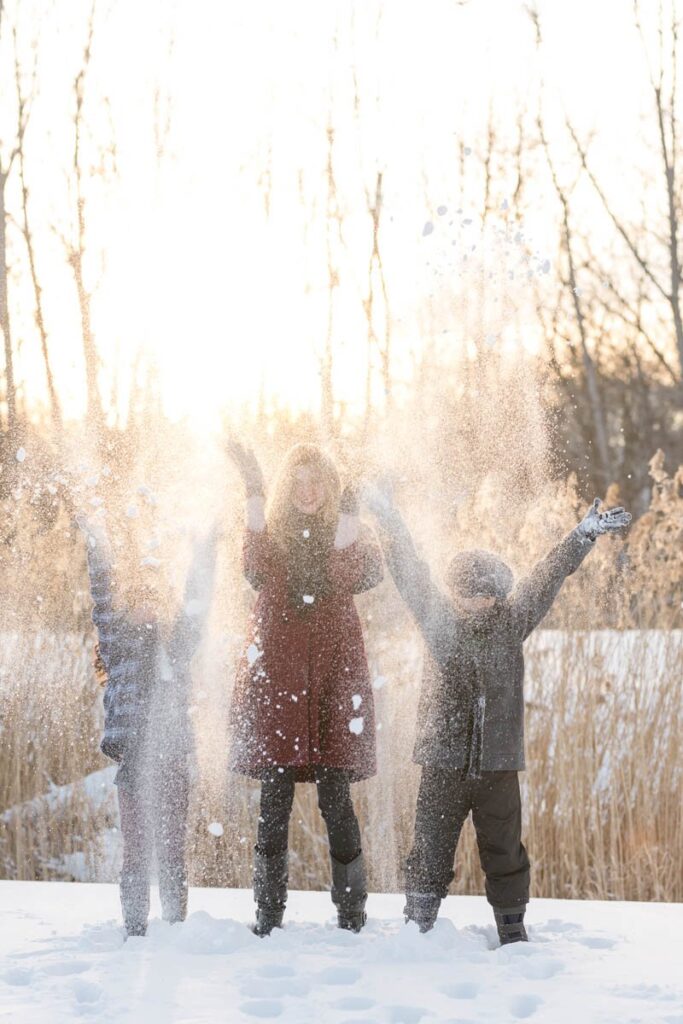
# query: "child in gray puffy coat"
{"type": "Point", "coordinates": [470, 729]}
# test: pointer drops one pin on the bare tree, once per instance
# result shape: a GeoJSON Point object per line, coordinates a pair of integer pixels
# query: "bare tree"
{"type": "Point", "coordinates": [571, 285]}
{"type": "Point", "coordinates": [24, 105]}
{"type": "Point", "coordinates": [6, 164]}
{"type": "Point", "coordinates": [663, 83]}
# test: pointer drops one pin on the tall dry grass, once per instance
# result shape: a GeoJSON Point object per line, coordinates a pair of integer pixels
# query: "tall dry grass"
{"type": "Point", "coordinates": [603, 793]}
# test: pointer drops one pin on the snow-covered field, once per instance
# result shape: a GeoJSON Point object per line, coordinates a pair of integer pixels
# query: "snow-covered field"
{"type": "Point", "coordinates": [62, 958]}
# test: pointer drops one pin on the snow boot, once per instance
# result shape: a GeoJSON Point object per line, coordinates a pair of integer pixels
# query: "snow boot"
{"type": "Point", "coordinates": [350, 892]}
{"type": "Point", "coordinates": [135, 930]}
{"type": "Point", "coordinates": [510, 924]}
{"type": "Point", "coordinates": [270, 891]}
{"type": "Point", "coordinates": [423, 909]}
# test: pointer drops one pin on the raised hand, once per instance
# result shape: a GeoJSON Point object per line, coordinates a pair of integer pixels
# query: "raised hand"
{"type": "Point", "coordinates": [350, 498]}
{"type": "Point", "coordinates": [378, 495]}
{"type": "Point", "coordinates": [595, 523]}
{"type": "Point", "coordinates": [247, 465]}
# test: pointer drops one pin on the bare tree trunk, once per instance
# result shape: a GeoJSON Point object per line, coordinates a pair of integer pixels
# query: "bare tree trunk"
{"type": "Point", "coordinates": [10, 387]}
{"type": "Point", "coordinates": [5, 326]}
{"type": "Point", "coordinates": [23, 113]}
{"type": "Point", "coordinates": [326, 362]}
{"type": "Point", "coordinates": [595, 400]}
{"type": "Point", "coordinates": [76, 250]}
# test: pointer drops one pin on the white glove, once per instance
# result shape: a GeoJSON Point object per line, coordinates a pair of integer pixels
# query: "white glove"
{"type": "Point", "coordinates": [595, 523]}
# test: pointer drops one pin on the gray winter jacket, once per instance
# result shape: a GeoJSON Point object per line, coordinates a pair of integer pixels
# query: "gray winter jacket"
{"type": "Point", "coordinates": [471, 709]}
{"type": "Point", "coordinates": [138, 683]}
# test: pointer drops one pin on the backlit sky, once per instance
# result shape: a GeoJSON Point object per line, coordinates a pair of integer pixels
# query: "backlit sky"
{"type": "Point", "coordinates": [226, 299]}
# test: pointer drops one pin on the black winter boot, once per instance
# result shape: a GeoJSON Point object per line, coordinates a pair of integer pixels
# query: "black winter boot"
{"type": "Point", "coordinates": [349, 893]}
{"type": "Point", "coordinates": [423, 909]}
{"type": "Point", "coordinates": [270, 891]}
{"type": "Point", "coordinates": [510, 924]}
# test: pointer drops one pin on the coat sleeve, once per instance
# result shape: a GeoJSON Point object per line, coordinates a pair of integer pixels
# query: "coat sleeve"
{"type": "Point", "coordinates": [257, 557]}
{"type": "Point", "coordinates": [104, 616]}
{"type": "Point", "coordinates": [190, 624]}
{"type": "Point", "coordinates": [533, 596]}
{"type": "Point", "coordinates": [431, 609]}
{"type": "Point", "coordinates": [357, 567]}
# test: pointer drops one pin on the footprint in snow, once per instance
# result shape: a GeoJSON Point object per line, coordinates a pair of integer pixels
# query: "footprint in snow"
{"type": "Point", "coordinates": [265, 1009]}
{"type": "Point", "coordinates": [354, 1003]}
{"type": "Point", "coordinates": [65, 967]}
{"type": "Point", "coordinates": [275, 988]}
{"type": "Point", "coordinates": [339, 976]}
{"type": "Point", "coordinates": [597, 942]}
{"type": "Point", "coordinates": [461, 990]}
{"type": "Point", "coordinates": [18, 976]}
{"type": "Point", "coordinates": [539, 968]}
{"type": "Point", "coordinates": [275, 971]}
{"type": "Point", "coordinates": [86, 992]}
{"type": "Point", "coordinates": [406, 1014]}
{"type": "Point", "coordinates": [524, 1006]}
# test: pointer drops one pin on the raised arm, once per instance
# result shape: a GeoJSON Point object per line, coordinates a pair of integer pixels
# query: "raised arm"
{"type": "Point", "coordinates": [100, 574]}
{"type": "Point", "coordinates": [197, 597]}
{"type": "Point", "coordinates": [355, 563]}
{"type": "Point", "coordinates": [534, 595]}
{"type": "Point", "coordinates": [257, 549]}
{"type": "Point", "coordinates": [431, 608]}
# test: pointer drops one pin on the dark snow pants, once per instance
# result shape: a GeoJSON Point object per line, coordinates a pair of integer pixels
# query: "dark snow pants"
{"type": "Point", "coordinates": [154, 817]}
{"type": "Point", "coordinates": [445, 799]}
{"type": "Point", "coordinates": [334, 801]}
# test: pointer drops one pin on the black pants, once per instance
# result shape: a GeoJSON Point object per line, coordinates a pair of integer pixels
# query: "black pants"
{"type": "Point", "coordinates": [445, 799]}
{"type": "Point", "coordinates": [154, 816]}
{"type": "Point", "coordinates": [334, 801]}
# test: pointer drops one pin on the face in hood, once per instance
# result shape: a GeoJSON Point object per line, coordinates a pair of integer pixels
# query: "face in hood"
{"type": "Point", "coordinates": [479, 580]}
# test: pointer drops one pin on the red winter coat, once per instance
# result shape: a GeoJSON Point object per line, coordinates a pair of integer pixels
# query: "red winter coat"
{"type": "Point", "coordinates": [296, 698]}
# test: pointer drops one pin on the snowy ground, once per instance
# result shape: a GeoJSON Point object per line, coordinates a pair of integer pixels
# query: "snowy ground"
{"type": "Point", "coordinates": [62, 958]}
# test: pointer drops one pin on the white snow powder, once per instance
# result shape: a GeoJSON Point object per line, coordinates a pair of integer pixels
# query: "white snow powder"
{"type": "Point", "coordinates": [253, 653]}
{"type": "Point", "coordinates": [356, 726]}
{"type": "Point", "coordinates": [215, 828]}
{"type": "Point", "coordinates": [21, 455]}
{"type": "Point", "coordinates": [309, 599]}
{"type": "Point", "coordinates": [132, 511]}
{"type": "Point", "coordinates": [427, 229]}
{"type": "Point", "coordinates": [379, 682]}
{"type": "Point", "coordinates": [357, 700]}
{"type": "Point", "coordinates": [307, 534]}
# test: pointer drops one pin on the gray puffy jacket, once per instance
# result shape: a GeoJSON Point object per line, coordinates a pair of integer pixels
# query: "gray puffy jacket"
{"type": "Point", "coordinates": [471, 709]}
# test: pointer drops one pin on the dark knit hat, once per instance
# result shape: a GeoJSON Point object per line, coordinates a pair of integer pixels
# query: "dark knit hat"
{"type": "Point", "coordinates": [479, 574]}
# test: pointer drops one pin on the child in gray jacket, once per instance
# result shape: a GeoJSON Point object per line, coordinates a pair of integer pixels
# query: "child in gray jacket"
{"type": "Point", "coordinates": [470, 729]}
{"type": "Point", "coordinates": [147, 730]}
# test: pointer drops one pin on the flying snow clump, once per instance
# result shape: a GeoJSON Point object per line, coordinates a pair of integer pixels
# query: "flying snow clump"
{"type": "Point", "coordinates": [253, 653]}
{"type": "Point", "coordinates": [356, 726]}
{"type": "Point", "coordinates": [215, 828]}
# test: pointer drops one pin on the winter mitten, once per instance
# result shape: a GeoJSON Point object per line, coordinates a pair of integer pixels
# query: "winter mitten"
{"type": "Point", "coordinates": [349, 893]}
{"type": "Point", "coordinates": [349, 501]}
{"type": "Point", "coordinates": [378, 496]}
{"type": "Point", "coordinates": [510, 924]}
{"type": "Point", "coordinates": [270, 891]}
{"type": "Point", "coordinates": [249, 469]}
{"type": "Point", "coordinates": [595, 523]}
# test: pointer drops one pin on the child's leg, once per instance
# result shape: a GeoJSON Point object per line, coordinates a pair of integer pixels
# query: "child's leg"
{"type": "Point", "coordinates": [443, 803]}
{"type": "Point", "coordinates": [136, 829]}
{"type": "Point", "coordinates": [270, 854]}
{"type": "Point", "coordinates": [349, 882]}
{"type": "Point", "coordinates": [497, 817]}
{"type": "Point", "coordinates": [171, 806]}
